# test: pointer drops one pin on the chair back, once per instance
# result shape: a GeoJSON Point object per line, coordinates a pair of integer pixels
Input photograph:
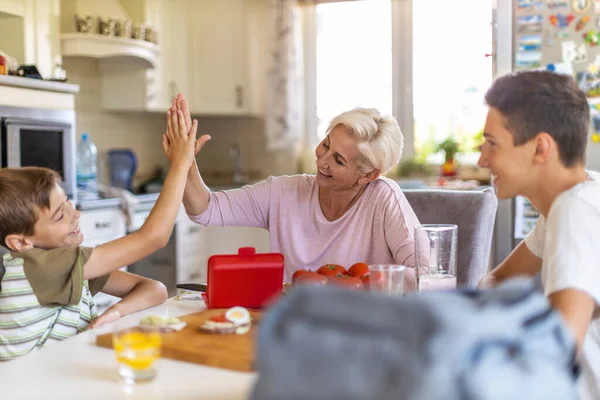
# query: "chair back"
{"type": "Point", "coordinates": [474, 212]}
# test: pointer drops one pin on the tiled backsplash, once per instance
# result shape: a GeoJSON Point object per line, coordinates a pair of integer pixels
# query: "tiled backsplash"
{"type": "Point", "coordinates": [142, 133]}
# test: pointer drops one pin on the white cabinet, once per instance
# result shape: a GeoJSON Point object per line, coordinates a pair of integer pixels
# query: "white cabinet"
{"type": "Point", "coordinates": [205, 53]}
{"type": "Point", "coordinates": [30, 32]}
{"type": "Point", "coordinates": [218, 30]}
{"type": "Point", "coordinates": [183, 260]}
{"type": "Point", "coordinates": [227, 240]}
{"type": "Point", "coordinates": [154, 89]}
{"type": "Point", "coordinates": [101, 226]}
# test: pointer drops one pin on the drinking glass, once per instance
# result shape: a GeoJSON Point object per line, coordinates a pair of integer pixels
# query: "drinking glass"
{"type": "Point", "coordinates": [435, 253]}
{"type": "Point", "coordinates": [137, 351]}
{"type": "Point", "coordinates": [387, 279]}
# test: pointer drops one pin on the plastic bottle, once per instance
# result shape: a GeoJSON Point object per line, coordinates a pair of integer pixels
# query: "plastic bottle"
{"type": "Point", "coordinates": [86, 167]}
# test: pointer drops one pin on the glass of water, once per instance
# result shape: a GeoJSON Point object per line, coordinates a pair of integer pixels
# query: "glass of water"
{"type": "Point", "coordinates": [137, 351]}
{"type": "Point", "coordinates": [386, 279]}
{"type": "Point", "coordinates": [435, 253]}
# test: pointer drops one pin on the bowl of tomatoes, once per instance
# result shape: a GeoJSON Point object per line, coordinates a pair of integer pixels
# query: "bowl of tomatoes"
{"type": "Point", "coordinates": [356, 277]}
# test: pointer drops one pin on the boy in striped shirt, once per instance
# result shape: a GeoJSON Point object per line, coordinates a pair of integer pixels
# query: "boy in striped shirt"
{"type": "Point", "coordinates": [49, 280]}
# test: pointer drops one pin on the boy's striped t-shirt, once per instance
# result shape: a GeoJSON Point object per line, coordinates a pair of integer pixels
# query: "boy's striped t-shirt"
{"type": "Point", "coordinates": [35, 311]}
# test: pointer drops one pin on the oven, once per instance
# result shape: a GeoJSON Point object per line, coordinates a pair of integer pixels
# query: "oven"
{"type": "Point", "coordinates": [40, 138]}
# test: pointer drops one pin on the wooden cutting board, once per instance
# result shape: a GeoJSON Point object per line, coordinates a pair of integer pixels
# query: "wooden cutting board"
{"type": "Point", "coordinates": [229, 351]}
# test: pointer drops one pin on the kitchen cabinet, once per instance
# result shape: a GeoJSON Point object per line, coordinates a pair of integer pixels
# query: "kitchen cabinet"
{"type": "Point", "coordinates": [182, 260]}
{"type": "Point", "coordinates": [154, 89]}
{"type": "Point", "coordinates": [210, 50]}
{"type": "Point", "coordinates": [227, 240]}
{"type": "Point", "coordinates": [29, 32]}
{"type": "Point", "coordinates": [218, 30]}
{"type": "Point", "coordinates": [101, 226]}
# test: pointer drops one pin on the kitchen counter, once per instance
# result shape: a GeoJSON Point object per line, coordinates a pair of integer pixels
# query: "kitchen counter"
{"type": "Point", "coordinates": [77, 369]}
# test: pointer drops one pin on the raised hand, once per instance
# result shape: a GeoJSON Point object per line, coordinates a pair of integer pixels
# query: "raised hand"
{"type": "Point", "coordinates": [179, 142]}
{"type": "Point", "coordinates": [181, 103]}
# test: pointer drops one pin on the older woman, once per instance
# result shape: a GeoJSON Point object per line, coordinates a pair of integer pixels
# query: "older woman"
{"type": "Point", "coordinates": [346, 213]}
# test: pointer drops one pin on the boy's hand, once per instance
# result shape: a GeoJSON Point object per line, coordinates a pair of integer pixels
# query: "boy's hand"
{"type": "Point", "coordinates": [179, 142]}
{"type": "Point", "coordinates": [179, 103]}
{"type": "Point", "coordinates": [110, 315]}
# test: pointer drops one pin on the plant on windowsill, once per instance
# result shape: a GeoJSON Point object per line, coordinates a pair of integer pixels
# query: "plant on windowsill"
{"type": "Point", "coordinates": [450, 149]}
{"type": "Point", "coordinates": [414, 167]}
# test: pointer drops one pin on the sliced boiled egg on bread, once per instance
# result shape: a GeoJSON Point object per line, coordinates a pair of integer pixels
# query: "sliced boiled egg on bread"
{"type": "Point", "coordinates": [238, 316]}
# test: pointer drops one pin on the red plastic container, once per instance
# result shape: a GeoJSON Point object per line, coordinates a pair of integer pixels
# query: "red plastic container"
{"type": "Point", "coordinates": [245, 279]}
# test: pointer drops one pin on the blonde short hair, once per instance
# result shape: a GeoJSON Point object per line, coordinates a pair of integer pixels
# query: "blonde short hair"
{"type": "Point", "coordinates": [379, 138]}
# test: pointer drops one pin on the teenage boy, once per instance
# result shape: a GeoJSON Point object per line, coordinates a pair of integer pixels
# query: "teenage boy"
{"type": "Point", "coordinates": [535, 144]}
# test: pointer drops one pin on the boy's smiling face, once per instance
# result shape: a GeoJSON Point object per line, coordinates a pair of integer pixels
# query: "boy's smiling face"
{"type": "Point", "coordinates": [57, 226]}
{"type": "Point", "coordinates": [510, 166]}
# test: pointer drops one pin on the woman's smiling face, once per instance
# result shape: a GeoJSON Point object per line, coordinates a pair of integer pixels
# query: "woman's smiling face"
{"type": "Point", "coordinates": [337, 156]}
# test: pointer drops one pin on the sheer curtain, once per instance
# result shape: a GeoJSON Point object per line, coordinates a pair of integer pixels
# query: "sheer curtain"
{"type": "Point", "coordinates": [284, 119]}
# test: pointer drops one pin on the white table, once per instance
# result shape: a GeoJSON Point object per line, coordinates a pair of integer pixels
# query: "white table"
{"type": "Point", "coordinates": [77, 369]}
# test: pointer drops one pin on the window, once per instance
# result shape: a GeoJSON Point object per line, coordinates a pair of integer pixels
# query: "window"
{"type": "Point", "coordinates": [450, 71]}
{"type": "Point", "coordinates": [354, 58]}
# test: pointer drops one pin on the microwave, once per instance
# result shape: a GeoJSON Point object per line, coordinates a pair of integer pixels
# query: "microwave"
{"type": "Point", "coordinates": [40, 138]}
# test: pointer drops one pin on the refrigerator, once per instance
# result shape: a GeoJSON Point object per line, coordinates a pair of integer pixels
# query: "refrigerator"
{"type": "Point", "coordinates": [556, 35]}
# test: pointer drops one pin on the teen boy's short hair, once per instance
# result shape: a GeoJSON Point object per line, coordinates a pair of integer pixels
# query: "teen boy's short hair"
{"type": "Point", "coordinates": [23, 193]}
{"type": "Point", "coordinates": [543, 101]}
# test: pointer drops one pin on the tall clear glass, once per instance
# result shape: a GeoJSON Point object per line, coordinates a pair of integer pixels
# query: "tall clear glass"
{"type": "Point", "coordinates": [435, 253]}
{"type": "Point", "coordinates": [137, 351]}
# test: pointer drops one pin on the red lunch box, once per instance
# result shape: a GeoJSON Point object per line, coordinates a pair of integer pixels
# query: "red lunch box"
{"type": "Point", "coordinates": [245, 279]}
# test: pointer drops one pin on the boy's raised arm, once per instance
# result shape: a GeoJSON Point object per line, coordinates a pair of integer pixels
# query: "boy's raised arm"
{"type": "Point", "coordinates": [178, 144]}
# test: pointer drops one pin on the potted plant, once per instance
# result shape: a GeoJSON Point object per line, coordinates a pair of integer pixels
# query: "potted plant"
{"type": "Point", "coordinates": [450, 148]}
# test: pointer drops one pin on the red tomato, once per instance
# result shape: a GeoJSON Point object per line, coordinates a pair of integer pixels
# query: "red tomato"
{"type": "Point", "coordinates": [311, 278]}
{"type": "Point", "coordinates": [331, 270]}
{"type": "Point", "coordinates": [350, 282]}
{"type": "Point", "coordinates": [372, 279]}
{"type": "Point", "coordinates": [218, 318]}
{"type": "Point", "coordinates": [300, 272]}
{"type": "Point", "coordinates": [358, 269]}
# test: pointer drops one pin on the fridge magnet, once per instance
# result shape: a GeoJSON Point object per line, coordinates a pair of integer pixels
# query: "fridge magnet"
{"type": "Point", "coordinates": [574, 53]}
{"type": "Point", "coordinates": [568, 51]}
{"type": "Point", "coordinates": [529, 43]}
{"type": "Point", "coordinates": [529, 24]}
{"type": "Point", "coordinates": [580, 53]}
{"type": "Point", "coordinates": [582, 22]}
{"type": "Point", "coordinates": [561, 20]}
{"type": "Point", "coordinates": [526, 5]}
{"type": "Point", "coordinates": [563, 68]}
{"type": "Point", "coordinates": [589, 83]}
{"type": "Point", "coordinates": [591, 38]}
{"type": "Point", "coordinates": [563, 34]}
{"type": "Point", "coordinates": [554, 4]}
{"type": "Point", "coordinates": [580, 6]}
{"type": "Point", "coordinates": [549, 39]}
{"type": "Point", "coordinates": [528, 59]}
{"type": "Point", "coordinates": [596, 123]}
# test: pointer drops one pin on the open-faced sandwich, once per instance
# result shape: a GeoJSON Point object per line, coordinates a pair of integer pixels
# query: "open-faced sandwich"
{"type": "Point", "coordinates": [235, 320]}
{"type": "Point", "coordinates": [162, 324]}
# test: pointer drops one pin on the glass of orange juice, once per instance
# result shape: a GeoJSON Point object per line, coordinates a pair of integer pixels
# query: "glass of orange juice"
{"type": "Point", "coordinates": [137, 351]}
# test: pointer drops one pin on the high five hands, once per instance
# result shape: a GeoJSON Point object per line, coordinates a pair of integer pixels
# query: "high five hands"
{"type": "Point", "coordinates": [179, 123]}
